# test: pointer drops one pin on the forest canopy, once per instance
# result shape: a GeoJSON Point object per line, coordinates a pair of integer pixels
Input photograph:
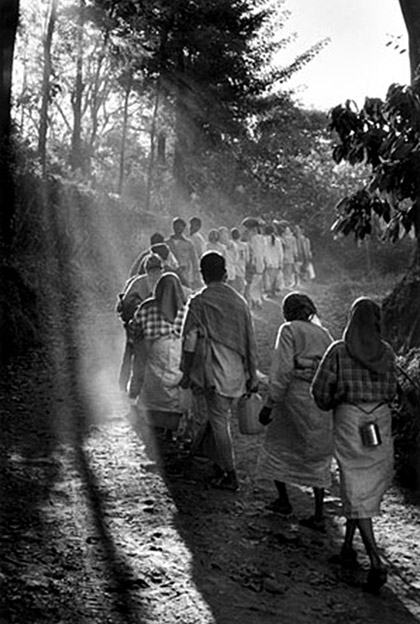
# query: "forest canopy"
{"type": "Point", "coordinates": [167, 100]}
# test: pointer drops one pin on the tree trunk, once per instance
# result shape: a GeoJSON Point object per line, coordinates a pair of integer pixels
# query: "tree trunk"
{"type": "Point", "coordinates": [43, 124]}
{"type": "Point", "coordinates": [97, 99]}
{"type": "Point", "coordinates": [151, 163]}
{"type": "Point", "coordinates": [9, 15]}
{"type": "Point", "coordinates": [13, 290]}
{"type": "Point", "coordinates": [124, 134]}
{"type": "Point", "coordinates": [76, 157]}
{"type": "Point", "coordinates": [161, 148]}
{"type": "Point", "coordinates": [411, 14]}
{"type": "Point", "coordinates": [183, 130]}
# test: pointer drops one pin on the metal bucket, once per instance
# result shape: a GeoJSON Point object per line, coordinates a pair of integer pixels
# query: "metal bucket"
{"type": "Point", "coordinates": [370, 434]}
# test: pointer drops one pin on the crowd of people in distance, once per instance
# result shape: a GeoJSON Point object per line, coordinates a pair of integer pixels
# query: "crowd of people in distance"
{"type": "Point", "coordinates": [191, 357]}
{"type": "Point", "coordinates": [262, 259]}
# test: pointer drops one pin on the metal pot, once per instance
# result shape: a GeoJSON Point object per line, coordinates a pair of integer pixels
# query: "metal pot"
{"type": "Point", "coordinates": [370, 434]}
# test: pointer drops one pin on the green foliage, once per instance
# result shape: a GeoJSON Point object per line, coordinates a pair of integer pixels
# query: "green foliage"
{"type": "Point", "coordinates": [385, 136]}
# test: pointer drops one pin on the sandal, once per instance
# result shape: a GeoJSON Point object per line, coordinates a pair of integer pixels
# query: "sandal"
{"type": "Point", "coordinates": [377, 577]}
{"type": "Point", "coordinates": [314, 524]}
{"type": "Point", "coordinates": [278, 506]}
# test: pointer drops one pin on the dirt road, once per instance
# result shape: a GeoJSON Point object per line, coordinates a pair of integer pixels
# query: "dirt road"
{"type": "Point", "coordinates": [93, 531]}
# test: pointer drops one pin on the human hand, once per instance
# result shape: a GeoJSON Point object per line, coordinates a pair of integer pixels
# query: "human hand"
{"type": "Point", "coordinates": [265, 415]}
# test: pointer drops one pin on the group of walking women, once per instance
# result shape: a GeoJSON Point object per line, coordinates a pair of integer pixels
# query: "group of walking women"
{"type": "Point", "coordinates": [324, 399]}
{"type": "Point", "coordinates": [332, 399]}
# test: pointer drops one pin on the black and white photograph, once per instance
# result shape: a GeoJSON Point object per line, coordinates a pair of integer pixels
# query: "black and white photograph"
{"type": "Point", "coordinates": [209, 312]}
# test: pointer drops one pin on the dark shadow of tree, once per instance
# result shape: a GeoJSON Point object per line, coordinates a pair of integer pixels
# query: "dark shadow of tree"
{"type": "Point", "coordinates": [43, 410]}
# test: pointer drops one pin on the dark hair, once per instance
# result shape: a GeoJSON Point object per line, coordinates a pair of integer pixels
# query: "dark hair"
{"type": "Point", "coordinates": [298, 307]}
{"type": "Point", "coordinates": [161, 249]}
{"type": "Point", "coordinates": [212, 266]}
{"type": "Point", "coordinates": [156, 238]}
{"type": "Point", "coordinates": [178, 221]}
{"type": "Point", "coordinates": [235, 233]}
{"type": "Point", "coordinates": [195, 221]}
{"type": "Point", "coordinates": [269, 231]}
{"type": "Point", "coordinates": [213, 236]}
{"type": "Point", "coordinates": [153, 261]}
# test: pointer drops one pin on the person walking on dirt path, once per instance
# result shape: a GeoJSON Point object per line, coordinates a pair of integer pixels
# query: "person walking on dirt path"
{"type": "Point", "coordinates": [256, 264]}
{"type": "Point", "coordinates": [242, 259]}
{"type": "Point", "coordinates": [196, 236]}
{"type": "Point", "coordinates": [157, 325]}
{"type": "Point", "coordinates": [159, 247]}
{"type": "Point", "coordinates": [136, 290]}
{"type": "Point", "coordinates": [219, 361]}
{"type": "Point", "coordinates": [298, 442]}
{"type": "Point", "coordinates": [300, 254]}
{"type": "Point", "coordinates": [213, 242]}
{"type": "Point", "coordinates": [230, 254]}
{"type": "Point", "coordinates": [273, 262]}
{"type": "Point", "coordinates": [357, 379]}
{"type": "Point", "coordinates": [308, 271]}
{"type": "Point", "coordinates": [184, 251]}
{"type": "Point", "coordinates": [289, 256]}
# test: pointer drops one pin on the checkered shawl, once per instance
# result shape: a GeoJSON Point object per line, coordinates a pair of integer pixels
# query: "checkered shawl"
{"type": "Point", "coordinates": [342, 379]}
{"type": "Point", "coordinates": [151, 323]}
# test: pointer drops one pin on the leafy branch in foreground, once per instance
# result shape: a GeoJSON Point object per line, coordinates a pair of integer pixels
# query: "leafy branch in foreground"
{"type": "Point", "coordinates": [385, 136]}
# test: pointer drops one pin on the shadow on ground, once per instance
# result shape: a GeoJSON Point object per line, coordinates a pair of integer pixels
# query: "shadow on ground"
{"type": "Point", "coordinates": [251, 566]}
{"type": "Point", "coordinates": [59, 560]}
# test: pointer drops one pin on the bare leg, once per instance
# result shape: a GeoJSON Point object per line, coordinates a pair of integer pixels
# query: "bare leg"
{"type": "Point", "coordinates": [377, 575]}
{"type": "Point", "coordinates": [319, 503]}
{"type": "Point", "coordinates": [281, 504]}
{"type": "Point", "coordinates": [351, 525]}
{"type": "Point", "coordinates": [368, 537]}
{"type": "Point", "coordinates": [282, 492]}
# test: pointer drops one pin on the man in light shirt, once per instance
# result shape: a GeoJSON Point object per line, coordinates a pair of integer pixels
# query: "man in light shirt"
{"type": "Point", "coordinates": [196, 236]}
{"type": "Point", "coordinates": [184, 251]}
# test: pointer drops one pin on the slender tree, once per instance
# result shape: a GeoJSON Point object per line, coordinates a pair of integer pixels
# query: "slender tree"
{"type": "Point", "coordinates": [127, 93]}
{"type": "Point", "coordinates": [45, 93]}
{"type": "Point", "coordinates": [9, 14]}
{"type": "Point", "coordinates": [76, 157]}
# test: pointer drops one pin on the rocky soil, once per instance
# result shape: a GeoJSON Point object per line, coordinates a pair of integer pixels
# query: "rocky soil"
{"type": "Point", "coordinates": [94, 530]}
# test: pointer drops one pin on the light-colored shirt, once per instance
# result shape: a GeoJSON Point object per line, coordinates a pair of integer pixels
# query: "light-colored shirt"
{"type": "Point", "coordinates": [216, 247]}
{"type": "Point", "coordinates": [242, 258]}
{"type": "Point", "coordinates": [184, 251]}
{"type": "Point", "coordinates": [289, 248]}
{"type": "Point", "coordinates": [273, 253]}
{"type": "Point", "coordinates": [257, 248]}
{"type": "Point", "coordinates": [231, 258]}
{"type": "Point", "coordinates": [199, 243]}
